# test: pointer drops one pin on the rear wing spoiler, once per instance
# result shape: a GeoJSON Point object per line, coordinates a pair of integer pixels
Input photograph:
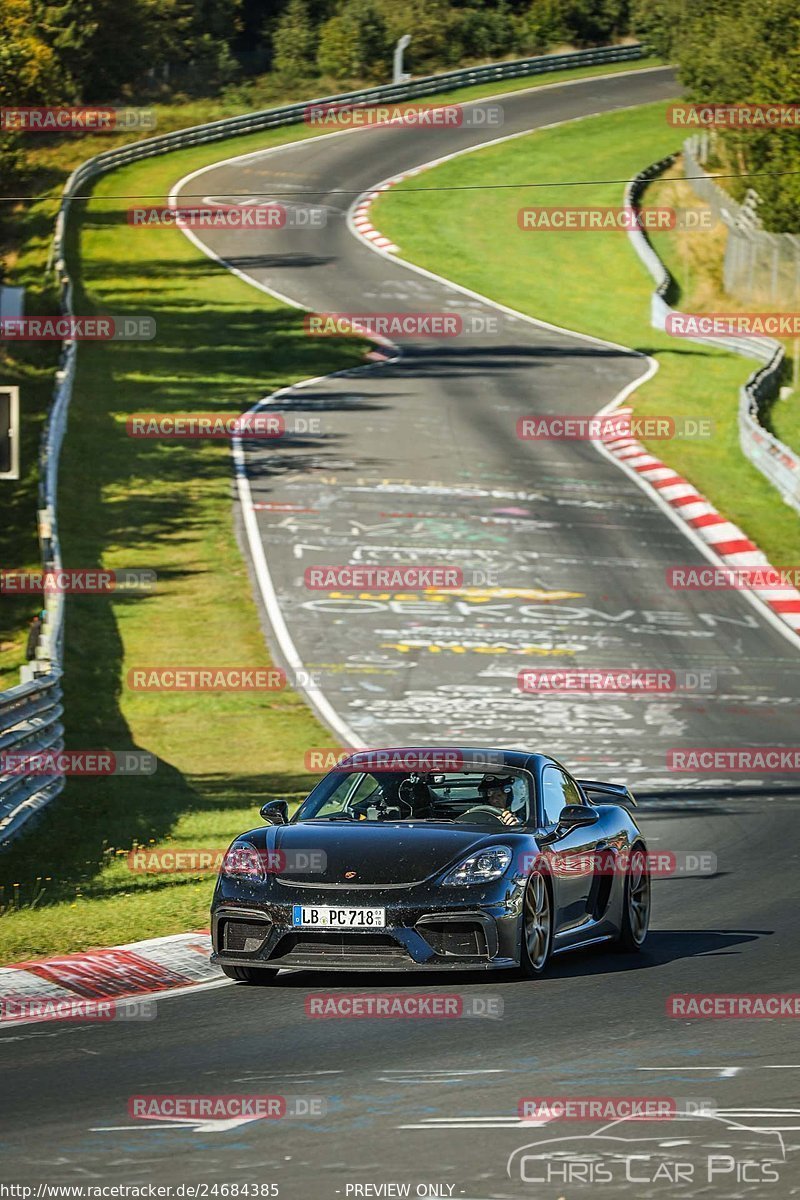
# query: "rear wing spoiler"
{"type": "Point", "coordinates": [615, 791]}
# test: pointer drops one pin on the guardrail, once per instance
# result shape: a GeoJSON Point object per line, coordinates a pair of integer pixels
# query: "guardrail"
{"type": "Point", "coordinates": [20, 798]}
{"type": "Point", "coordinates": [290, 114]}
{"type": "Point", "coordinates": [30, 723]}
{"type": "Point", "coordinates": [777, 462]}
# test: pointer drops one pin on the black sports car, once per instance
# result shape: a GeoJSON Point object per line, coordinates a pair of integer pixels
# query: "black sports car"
{"type": "Point", "coordinates": [420, 858]}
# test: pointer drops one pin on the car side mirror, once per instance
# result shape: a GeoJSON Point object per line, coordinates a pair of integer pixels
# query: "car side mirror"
{"type": "Point", "coordinates": [578, 814]}
{"type": "Point", "coordinates": [276, 812]}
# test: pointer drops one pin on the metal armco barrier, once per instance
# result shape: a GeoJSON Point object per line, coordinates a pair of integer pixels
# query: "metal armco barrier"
{"type": "Point", "coordinates": [777, 462]}
{"type": "Point", "coordinates": [30, 722]}
{"type": "Point", "coordinates": [291, 114]}
{"type": "Point", "coordinates": [20, 797]}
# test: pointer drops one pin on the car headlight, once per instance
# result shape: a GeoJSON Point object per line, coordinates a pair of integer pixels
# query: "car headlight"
{"type": "Point", "coordinates": [243, 861]}
{"type": "Point", "coordinates": [481, 867]}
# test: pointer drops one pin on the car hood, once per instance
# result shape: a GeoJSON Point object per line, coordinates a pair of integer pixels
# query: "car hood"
{"type": "Point", "coordinates": [379, 853]}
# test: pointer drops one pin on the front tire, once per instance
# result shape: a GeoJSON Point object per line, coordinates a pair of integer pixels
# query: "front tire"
{"type": "Point", "coordinates": [635, 904]}
{"type": "Point", "coordinates": [536, 939]}
{"type": "Point", "coordinates": [252, 975]}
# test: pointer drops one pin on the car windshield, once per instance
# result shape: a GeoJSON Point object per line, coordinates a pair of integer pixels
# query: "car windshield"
{"type": "Point", "coordinates": [426, 796]}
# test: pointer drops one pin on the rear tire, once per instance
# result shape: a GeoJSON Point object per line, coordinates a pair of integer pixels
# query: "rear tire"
{"type": "Point", "coordinates": [635, 904]}
{"type": "Point", "coordinates": [253, 975]}
{"type": "Point", "coordinates": [536, 937]}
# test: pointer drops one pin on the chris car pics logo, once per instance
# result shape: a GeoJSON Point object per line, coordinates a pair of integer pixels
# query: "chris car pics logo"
{"type": "Point", "coordinates": [698, 1150]}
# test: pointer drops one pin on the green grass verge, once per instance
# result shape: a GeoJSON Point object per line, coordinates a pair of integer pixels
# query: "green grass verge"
{"type": "Point", "coordinates": [591, 282]}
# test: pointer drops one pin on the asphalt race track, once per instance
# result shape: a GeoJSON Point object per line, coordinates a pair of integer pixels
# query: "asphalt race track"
{"type": "Point", "coordinates": [417, 461]}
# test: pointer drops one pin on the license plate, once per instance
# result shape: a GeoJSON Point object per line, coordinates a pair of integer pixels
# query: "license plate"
{"type": "Point", "coordinates": [327, 917]}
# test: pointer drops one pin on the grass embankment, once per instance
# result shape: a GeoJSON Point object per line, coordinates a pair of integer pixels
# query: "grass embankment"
{"type": "Point", "coordinates": [591, 282]}
{"type": "Point", "coordinates": [164, 506]}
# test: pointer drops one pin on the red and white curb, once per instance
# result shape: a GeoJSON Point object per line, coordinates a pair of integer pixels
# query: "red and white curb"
{"type": "Point", "coordinates": [361, 220]}
{"type": "Point", "coordinates": [156, 966]}
{"type": "Point", "coordinates": [724, 539]}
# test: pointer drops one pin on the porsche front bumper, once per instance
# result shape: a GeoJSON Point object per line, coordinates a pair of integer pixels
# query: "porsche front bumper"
{"type": "Point", "coordinates": [422, 932]}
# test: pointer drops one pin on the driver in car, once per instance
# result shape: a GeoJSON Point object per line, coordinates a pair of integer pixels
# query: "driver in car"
{"type": "Point", "coordinates": [497, 793]}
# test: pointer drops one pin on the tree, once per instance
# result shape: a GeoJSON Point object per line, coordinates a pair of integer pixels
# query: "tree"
{"type": "Point", "coordinates": [653, 22]}
{"type": "Point", "coordinates": [102, 46]}
{"type": "Point", "coordinates": [594, 22]}
{"type": "Point", "coordinates": [295, 41]}
{"type": "Point", "coordinates": [30, 71]}
{"type": "Point", "coordinates": [485, 32]}
{"type": "Point", "coordinates": [747, 51]}
{"type": "Point", "coordinates": [192, 39]}
{"type": "Point", "coordinates": [30, 74]}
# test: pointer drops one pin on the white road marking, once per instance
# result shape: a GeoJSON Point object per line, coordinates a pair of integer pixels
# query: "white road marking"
{"type": "Point", "coordinates": [423, 1075]}
{"type": "Point", "coordinates": [499, 1122]}
{"type": "Point", "coordinates": [759, 1112]}
{"type": "Point", "coordinates": [446, 1071]}
{"type": "Point", "coordinates": [192, 1124]}
{"type": "Point", "coordinates": [722, 1072]}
